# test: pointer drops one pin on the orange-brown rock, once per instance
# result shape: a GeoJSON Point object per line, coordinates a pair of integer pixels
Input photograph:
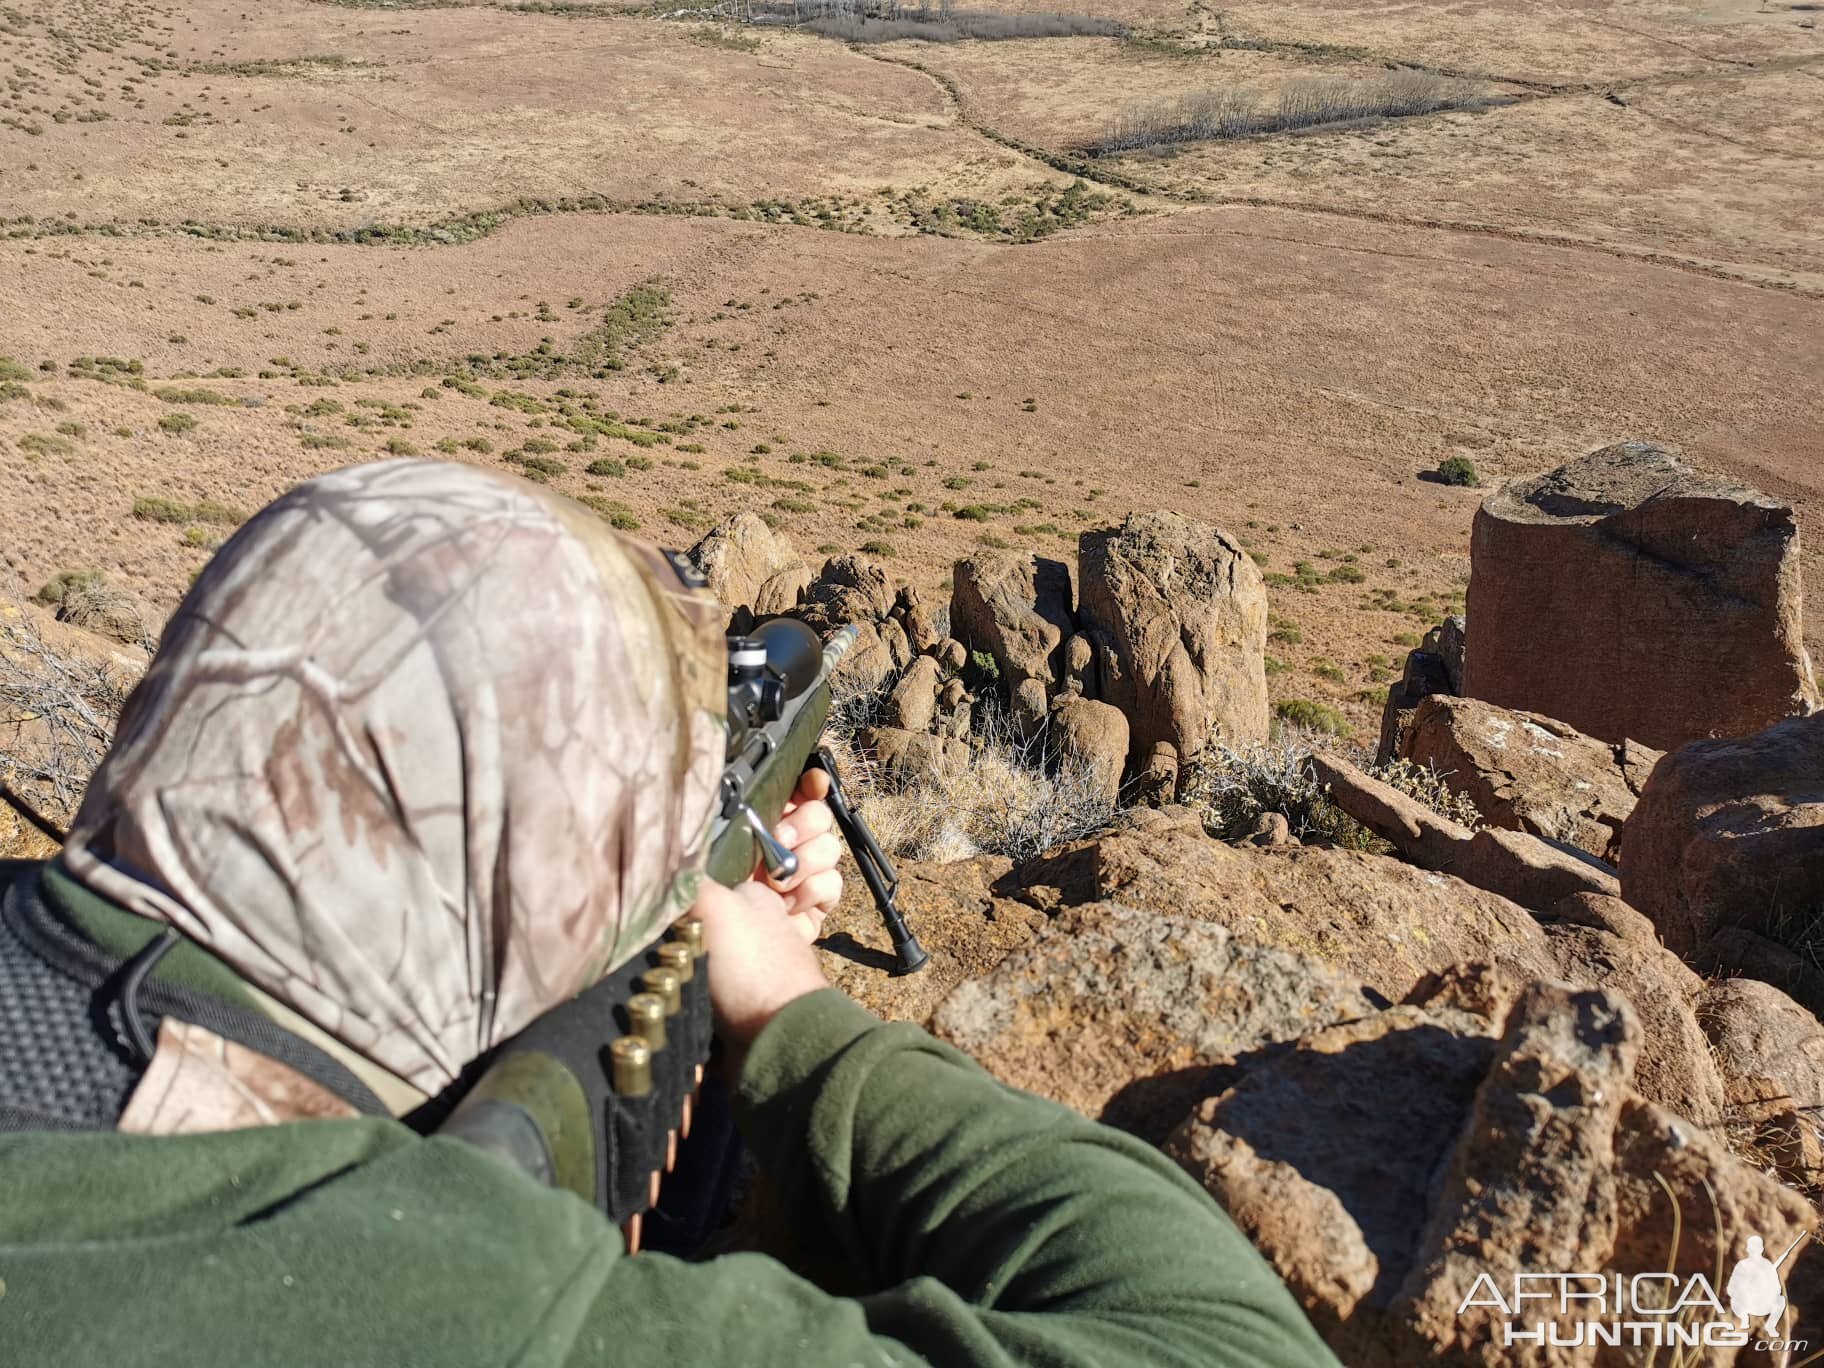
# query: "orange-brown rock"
{"type": "Point", "coordinates": [1514, 864]}
{"type": "Point", "coordinates": [1771, 1053]}
{"type": "Point", "coordinates": [1178, 612]}
{"type": "Point", "coordinates": [1730, 834]}
{"type": "Point", "coordinates": [750, 565]}
{"type": "Point", "coordinates": [1386, 1164]}
{"type": "Point", "coordinates": [1123, 1014]}
{"type": "Point", "coordinates": [1630, 596]}
{"type": "Point", "coordinates": [1528, 772]}
{"type": "Point", "coordinates": [1016, 607]}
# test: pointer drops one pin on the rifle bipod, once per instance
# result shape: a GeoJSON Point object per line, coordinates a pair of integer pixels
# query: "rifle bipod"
{"type": "Point", "coordinates": [876, 871]}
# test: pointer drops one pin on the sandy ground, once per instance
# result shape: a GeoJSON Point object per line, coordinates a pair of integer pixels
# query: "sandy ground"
{"type": "Point", "coordinates": [1277, 334]}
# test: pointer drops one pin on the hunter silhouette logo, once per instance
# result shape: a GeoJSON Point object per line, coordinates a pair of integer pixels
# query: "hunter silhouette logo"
{"type": "Point", "coordinates": [1642, 1310]}
{"type": "Point", "coordinates": [1754, 1289]}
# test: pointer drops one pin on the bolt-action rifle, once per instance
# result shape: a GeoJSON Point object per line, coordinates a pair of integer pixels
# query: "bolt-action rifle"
{"type": "Point", "coordinates": [778, 700]}
{"type": "Point", "coordinates": [603, 1117]}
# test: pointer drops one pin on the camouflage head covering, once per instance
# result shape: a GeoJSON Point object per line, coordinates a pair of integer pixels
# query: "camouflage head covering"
{"type": "Point", "coordinates": [424, 752]}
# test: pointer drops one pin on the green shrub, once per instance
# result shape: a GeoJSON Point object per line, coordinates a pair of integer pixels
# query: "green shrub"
{"type": "Point", "coordinates": [884, 550]}
{"type": "Point", "coordinates": [1458, 470]}
{"type": "Point", "coordinates": [176, 423]}
{"type": "Point", "coordinates": [398, 446]}
{"type": "Point", "coordinates": [46, 444]}
{"type": "Point", "coordinates": [157, 508]}
{"type": "Point", "coordinates": [324, 441]}
{"type": "Point", "coordinates": [616, 515]}
{"type": "Point", "coordinates": [607, 466]}
{"type": "Point", "coordinates": [66, 582]}
{"type": "Point", "coordinates": [171, 394]}
{"type": "Point", "coordinates": [542, 467]}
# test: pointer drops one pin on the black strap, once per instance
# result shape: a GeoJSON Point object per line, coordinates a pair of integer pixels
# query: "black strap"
{"type": "Point", "coordinates": [142, 1000]}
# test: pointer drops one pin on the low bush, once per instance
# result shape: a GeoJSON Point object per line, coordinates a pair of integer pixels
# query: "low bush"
{"type": "Point", "coordinates": [1458, 470]}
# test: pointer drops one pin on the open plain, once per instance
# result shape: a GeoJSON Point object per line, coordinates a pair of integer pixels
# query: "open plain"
{"type": "Point", "coordinates": [897, 295]}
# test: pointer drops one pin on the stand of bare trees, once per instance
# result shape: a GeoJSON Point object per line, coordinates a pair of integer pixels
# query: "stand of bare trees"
{"type": "Point", "coordinates": [1239, 111]}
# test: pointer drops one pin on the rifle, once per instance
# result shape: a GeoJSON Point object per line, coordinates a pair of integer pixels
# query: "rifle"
{"type": "Point", "coordinates": [605, 1122]}
{"type": "Point", "coordinates": [778, 701]}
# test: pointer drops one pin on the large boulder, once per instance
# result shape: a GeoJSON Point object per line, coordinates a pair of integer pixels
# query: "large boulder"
{"type": "Point", "coordinates": [1373, 921]}
{"type": "Point", "coordinates": [1400, 1170]}
{"type": "Point", "coordinates": [1016, 607]}
{"type": "Point", "coordinates": [847, 589]}
{"type": "Point", "coordinates": [913, 703]}
{"type": "Point", "coordinates": [1092, 736]}
{"type": "Point", "coordinates": [1771, 1054]}
{"type": "Point", "coordinates": [1730, 834]}
{"type": "Point", "coordinates": [1178, 611]}
{"type": "Point", "coordinates": [750, 565]}
{"type": "Point", "coordinates": [1123, 1014]}
{"type": "Point", "coordinates": [1630, 596]}
{"type": "Point", "coordinates": [1528, 772]}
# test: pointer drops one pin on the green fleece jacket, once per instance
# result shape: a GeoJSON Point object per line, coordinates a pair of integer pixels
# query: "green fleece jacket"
{"type": "Point", "coordinates": [997, 1227]}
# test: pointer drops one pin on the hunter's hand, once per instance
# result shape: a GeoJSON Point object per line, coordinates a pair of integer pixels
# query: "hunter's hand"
{"type": "Point", "coordinates": [807, 829]}
{"type": "Point", "coordinates": [760, 961]}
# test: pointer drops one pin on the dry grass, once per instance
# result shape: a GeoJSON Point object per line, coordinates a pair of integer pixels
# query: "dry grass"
{"type": "Point", "coordinates": [1237, 785]}
{"type": "Point", "coordinates": [1011, 794]}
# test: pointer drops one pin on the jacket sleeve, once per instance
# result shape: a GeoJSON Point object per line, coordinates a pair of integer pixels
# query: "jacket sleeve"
{"type": "Point", "coordinates": [996, 1227]}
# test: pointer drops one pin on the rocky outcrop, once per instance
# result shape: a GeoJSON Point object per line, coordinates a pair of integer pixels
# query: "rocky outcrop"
{"type": "Point", "coordinates": [1632, 597]}
{"type": "Point", "coordinates": [1730, 834]}
{"type": "Point", "coordinates": [1382, 921]}
{"type": "Point", "coordinates": [1532, 872]}
{"type": "Point", "coordinates": [1123, 1015]}
{"type": "Point", "coordinates": [1771, 1054]}
{"type": "Point", "coordinates": [1018, 609]}
{"type": "Point", "coordinates": [748, 565]}
{"type": "Point", "coordinates": [1439, 1142]}
{"type": "Point", "coordinates": [1178, 613]}
{"type": "Point", "coordinates": [1527, 772]}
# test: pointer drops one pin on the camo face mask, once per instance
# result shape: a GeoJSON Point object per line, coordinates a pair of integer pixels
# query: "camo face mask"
{"type": "Point", "coordinates": [425, 751]}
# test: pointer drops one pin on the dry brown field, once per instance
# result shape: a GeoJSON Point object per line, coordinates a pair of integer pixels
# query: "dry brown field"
{"type": "Point", "coordinates": [877, 291]}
